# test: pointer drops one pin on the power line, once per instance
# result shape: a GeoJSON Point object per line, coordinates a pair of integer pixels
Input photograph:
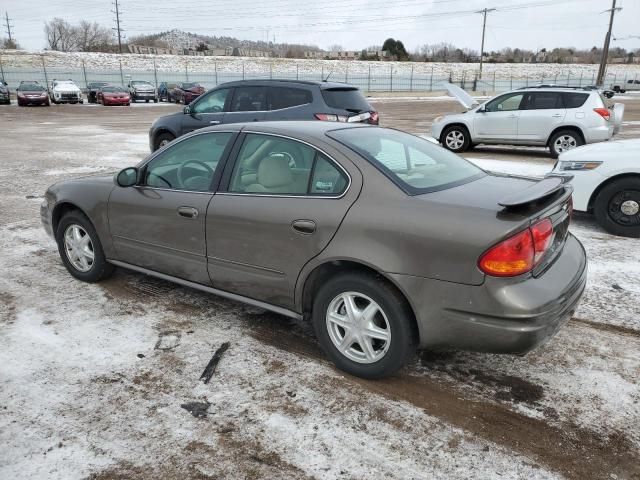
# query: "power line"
{"type": "Point", "coordinates": [484, 12]}
{"type": "Point", "coordinates": [607, 41]}
{"type": "Point", "coordinates": [118, 29]}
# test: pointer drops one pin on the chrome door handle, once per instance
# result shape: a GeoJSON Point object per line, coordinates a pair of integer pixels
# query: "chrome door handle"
{"type": "Point", "coordinates": [188, 212]}
{"type": "Point", "coordinates": [304, 226]}
{"type": "Point", "coordinates": [557, 115]}
{"type": "Point", "coordinates": [215, 122]}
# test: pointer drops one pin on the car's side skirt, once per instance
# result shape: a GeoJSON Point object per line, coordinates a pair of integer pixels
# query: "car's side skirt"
{"type": "Point", "coordinates": [231, 296]}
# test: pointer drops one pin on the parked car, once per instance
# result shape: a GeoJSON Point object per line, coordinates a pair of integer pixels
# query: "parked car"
{"type": "Point", "coordinates": [92, 90]}
{"type": "Point", "coordinates": [606, 182]}
{"type": "Point", "coordinates": [141, 90]}
{"type": "Point", "coordinates": [113, 95]}
{"type": "Point", "coordinates": [559, 118]}
{"type": "Point", "coordinates": [630, 85]}
{"type": "Point", "coordinates": [65, 91]}
{"type": "Point", "coordinates": [5, 94]}
{"type": "Point", "coordinates": [32, 93]}
{"type": "Point", "coordinates": [382, 240]}
{"type": "Point", "coordinates": [265, 100]}
{"type": "Point", "coordinates": [186, 92]}
{"type": "Point", "coordinates": [163, 91]}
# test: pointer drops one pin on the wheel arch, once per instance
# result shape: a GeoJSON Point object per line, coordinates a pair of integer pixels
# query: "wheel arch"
{"type": "Point", "coordinates": [330, 268]}
{"type": "Point", "coordinates": [574, 128]}
{"type": "Point", "coordinates": [608, 181]}
{"type": "Point", "coordinates": [61, 209]}
{"type": "Point", "coordinates": [453, 124]}
{"type": "Point", "coordinates": [162, 130]}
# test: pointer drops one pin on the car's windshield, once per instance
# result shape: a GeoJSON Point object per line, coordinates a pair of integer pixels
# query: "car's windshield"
{"type": "Point", "coordinates": [32, 87]}
{"type": "Point", "coordinates": [190, 85]}
{"type": "Point", "coordinates": [98, 84]}
{"type": "Point", "coordinates": [145, 84]}
{"type": "Point", "coordinates": [113, 89]}
{"type": "Point", "coordinates": [414, 164]}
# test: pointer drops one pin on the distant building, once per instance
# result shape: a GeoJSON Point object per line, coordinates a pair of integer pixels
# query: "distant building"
{"type": "Point", "coordinates": [143, 49]}
{"type": "Point", "coordinates": [344, 55]}
{"type": "Point", "coordinates": [210, 51]}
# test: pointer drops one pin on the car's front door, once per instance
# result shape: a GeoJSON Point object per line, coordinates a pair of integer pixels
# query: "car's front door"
{"type": "Point", "coordinates": [159, 224]}
{"type": "Point", "coordinates": [283, 203]}
{"type": "Point", "coordinates": [498, 121]}
{"type": "Point", "coordinates": [249, 104]}
{"type": "Point", "coordinates": [208, 110]}
{"type": "Point", "coordinates": [540, 113]}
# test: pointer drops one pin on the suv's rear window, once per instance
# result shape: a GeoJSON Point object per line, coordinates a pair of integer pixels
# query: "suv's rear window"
{"type": "Point", "coordinates": [574, 100]}
{"type": "Point", "coordinates": [350, 99]}
{"type": "Point", "coordinates": [414, 164]}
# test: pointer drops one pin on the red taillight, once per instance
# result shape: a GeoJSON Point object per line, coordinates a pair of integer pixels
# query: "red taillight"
{"type": "Point", "coordinates": [330, 117]}
{"type": "Point", "coordinates": [603, 112]}
{"type": "Point", "coordinates": [520, 253]}
{"type": "Point", "coordinates": [374, 118]}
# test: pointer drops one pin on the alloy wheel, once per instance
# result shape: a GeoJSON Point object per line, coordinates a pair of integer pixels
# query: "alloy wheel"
{"type": "Point", "coordinates": [358, 327]}
{"type": "Point", "coordinates": [454, 139]}
{"type": "Point", "coordinates": [564, 143]}
{"type": "Point", "coordinates": [79, 248]}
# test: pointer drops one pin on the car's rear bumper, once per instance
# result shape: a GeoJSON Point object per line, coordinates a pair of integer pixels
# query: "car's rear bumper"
{"type": "Point", "coordinates": [598, 134]}
{"type": "Point", "coordinates": [501, 315]}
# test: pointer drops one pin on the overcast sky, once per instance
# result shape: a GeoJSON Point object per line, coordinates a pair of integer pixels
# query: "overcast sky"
{"type": "Point", "coordinates": [354, 24]}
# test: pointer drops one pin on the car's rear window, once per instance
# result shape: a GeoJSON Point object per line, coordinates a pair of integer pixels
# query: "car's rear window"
{"type": "Point", "coordinates": [414, 164]}
{"type": "Point", "coordinates": [350, 99]}
{"type": "Point", "coordinates": [574, 100]}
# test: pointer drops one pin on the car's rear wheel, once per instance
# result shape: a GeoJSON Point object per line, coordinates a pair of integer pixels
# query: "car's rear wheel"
{"type": "Point", "coordinates": [364, 325]}
{"type": "Point", "coordinates": [456, 139]}
{"type": "Point", "coordinates": [563, 141]}
{"type": "Point", "coordinates": [163, 139]}
{"type": "Point", "coordinates": [617, 207]}
{"type": "Point", "coordinates": [80, 248]}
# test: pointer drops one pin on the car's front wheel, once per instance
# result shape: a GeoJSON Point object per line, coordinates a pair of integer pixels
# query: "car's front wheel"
{"type": "Point", "coordinates": [364, 325]}
{"type": "Point", "coordinates": [563, 141]}
{"type": "Point", "coordinates": [163, 139]}
{"type": "Point", "coordinates": [456, 139]}
{"type": "Point", "coordinates": [617, 207]}
{"type": "Point", "coordinates": [80, 248]}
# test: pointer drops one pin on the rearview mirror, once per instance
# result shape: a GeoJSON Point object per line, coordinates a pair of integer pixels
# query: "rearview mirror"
{"type": "Point", "coordinates": [127, 177]}
{"type": "Point", "coordinates": [187, 110]}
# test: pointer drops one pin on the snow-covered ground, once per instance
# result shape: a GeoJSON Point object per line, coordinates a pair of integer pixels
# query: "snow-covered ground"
{"type": "Point", "coordinates": [97, 379]}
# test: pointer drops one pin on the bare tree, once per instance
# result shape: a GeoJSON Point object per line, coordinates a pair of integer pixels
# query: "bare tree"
{"type": "Point", "coordinates": [9, 44]}
{"type": "Point", "coordinates": [60, 35]}
{"type": "Point", "coordinates": [91, 37]}
{"type": "Point", "coordinates": [336, 48]}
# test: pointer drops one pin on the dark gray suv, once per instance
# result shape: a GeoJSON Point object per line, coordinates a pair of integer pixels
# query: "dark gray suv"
{"type": "Point", "coordinates": [265, 100]}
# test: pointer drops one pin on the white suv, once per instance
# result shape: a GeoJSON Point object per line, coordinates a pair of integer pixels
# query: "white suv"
{"type": "Point", "coordinates": [560, 118]}
{"type": "Point", "coordinates": [65, 91]}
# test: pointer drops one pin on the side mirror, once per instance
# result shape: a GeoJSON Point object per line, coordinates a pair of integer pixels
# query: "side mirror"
{"type": "Point", "coordinates": [482, 110]}
{"type": "Point", "coordinates": [127, 177]}
{"type": "Point", "coordinates": [187, 110]}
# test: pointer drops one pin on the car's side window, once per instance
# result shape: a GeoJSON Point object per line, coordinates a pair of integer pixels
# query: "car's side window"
{"type": "Point", "coordinates": [286, 97]}
{"type": "Point", "coordinates": [249, 99]}
{"type": "Point", "coordinates": [212, 102]}
{"type": "Point", "coordinates": [188, 165]}
{"type": "Point", "coordinates": [543, 101]}
{"type": "Point", "coordinates": [505, 103]}
{"type": "Point", "coordinates": [279, 166]}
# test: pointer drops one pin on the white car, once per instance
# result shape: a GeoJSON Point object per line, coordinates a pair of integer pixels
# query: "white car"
{"type": "Point", "coordinates": [560, 118]}
{"type": "Point", "coordinates": [606, 182]}
{"type": "Point", "coordinates": [65, 91]}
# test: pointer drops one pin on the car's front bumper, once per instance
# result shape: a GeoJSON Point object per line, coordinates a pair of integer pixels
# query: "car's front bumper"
{"type": "Point", "coordinates": [45, 218]}
{"type": "Point", "coordinates": [501, 315]}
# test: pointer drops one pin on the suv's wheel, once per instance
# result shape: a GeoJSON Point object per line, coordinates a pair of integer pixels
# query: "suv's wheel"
{"type": "Point", "coordinates": [563, 141]}
{"type": "Point", "coordinates": [617, 207]}
{"type": "Point", "coordinates": [364, 325]}
{"type": "Point", "coordinates": [162, 140]}
{"type": "Point", "coordinates": [456, 139]}
{"type": "Point", "coordinates": [80, 248]}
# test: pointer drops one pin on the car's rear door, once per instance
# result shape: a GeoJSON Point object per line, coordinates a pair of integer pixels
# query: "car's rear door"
{"type": "Point", "coordinates": [283, 201]}
{"type": "Point", "coordinates": [540, 113]}
{"type": "Point", "coordinates": [249, 104]}
{"type": "Point", "coordinates": [208, 110]}
{"type": "Point", "coordinates": [498, 121]}
{"type": "Point", "coordinates": [159, 224]}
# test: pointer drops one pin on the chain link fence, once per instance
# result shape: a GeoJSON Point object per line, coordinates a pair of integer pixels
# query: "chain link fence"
{"type": "Point", "coordinates": [375, 80]}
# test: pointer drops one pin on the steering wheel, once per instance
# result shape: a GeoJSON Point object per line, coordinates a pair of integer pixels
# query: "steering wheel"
{"type": "Point", "coordinates": [288, 156]}
{"type": "Point", "coordinates": [180, 173]}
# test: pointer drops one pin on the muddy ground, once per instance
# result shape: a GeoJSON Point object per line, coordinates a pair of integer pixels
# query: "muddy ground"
{"type": "Point", "coordinates": [102, 381]}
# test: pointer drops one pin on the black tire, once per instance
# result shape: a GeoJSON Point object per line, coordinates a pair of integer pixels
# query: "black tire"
{"type": "Point", "coordinates": [462, 138]}
{"type": "Point", "coordinates": [566, 138]}
{"type": "Point", "coordinates": [609, 204]}
{"type": "Point", "coordinates": [100, 268]}
{"type": "Point", "coordinates": [155, 100]}
{"type": "Point", "coordinates": [146, 100]}
{"type": "Point", "coordinates": [163, 137]}
{"type": "Point", "coordinates": [399, 322]}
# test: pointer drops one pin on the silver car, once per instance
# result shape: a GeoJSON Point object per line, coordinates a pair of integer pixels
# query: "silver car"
{"type": "Point", "coordinates": [560, 118]}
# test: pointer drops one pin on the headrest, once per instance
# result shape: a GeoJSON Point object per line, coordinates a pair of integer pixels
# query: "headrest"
{"type": "Point", "coordinates": [274, 171]}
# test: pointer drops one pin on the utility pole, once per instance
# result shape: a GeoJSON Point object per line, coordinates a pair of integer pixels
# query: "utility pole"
{"type": "Point", "coordinates": [607, 40]}
{"type": "Point", "coordinates": [8, 26]}
{"type": "Point", "coordinates": [117, 12]}
{"type": "Point", "coordinates": [484, 12]}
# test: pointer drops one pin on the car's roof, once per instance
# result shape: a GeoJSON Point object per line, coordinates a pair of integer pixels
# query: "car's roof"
{"type": "Point", "coordinates": [278, 81]}
{"type": "Point", "coordinates": [292, 127]}
{"type": "Point", "coordinates": [555, 89]}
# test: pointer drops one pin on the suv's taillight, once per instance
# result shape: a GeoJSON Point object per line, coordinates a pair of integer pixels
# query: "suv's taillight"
{"type": "Point", "coordinates": [374, 119]}
{"type": "Point", "coordinates": [330, 117]}
{"type": "Point", "coordinates": [520, 253]}
{"type": "Point", "coordinates": [603, 112]}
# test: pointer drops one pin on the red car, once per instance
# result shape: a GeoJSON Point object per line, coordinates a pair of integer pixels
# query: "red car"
{"type": "Point", "coordinates": [185, 92]}
{"type": "Point", "coordinates": [32, 93]}
{"type": "Point", "coordinates": [113, 95]}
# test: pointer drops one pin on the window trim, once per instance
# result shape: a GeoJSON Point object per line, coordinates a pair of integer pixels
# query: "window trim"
{"type": "Point", "coordinates": [217, 174]}
{"type": "Point", "coordinates": [223, 187]}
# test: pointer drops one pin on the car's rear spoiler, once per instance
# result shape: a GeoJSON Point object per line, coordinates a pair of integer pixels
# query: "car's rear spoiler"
{"type": "Point", "coordinates": [546, 187]}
